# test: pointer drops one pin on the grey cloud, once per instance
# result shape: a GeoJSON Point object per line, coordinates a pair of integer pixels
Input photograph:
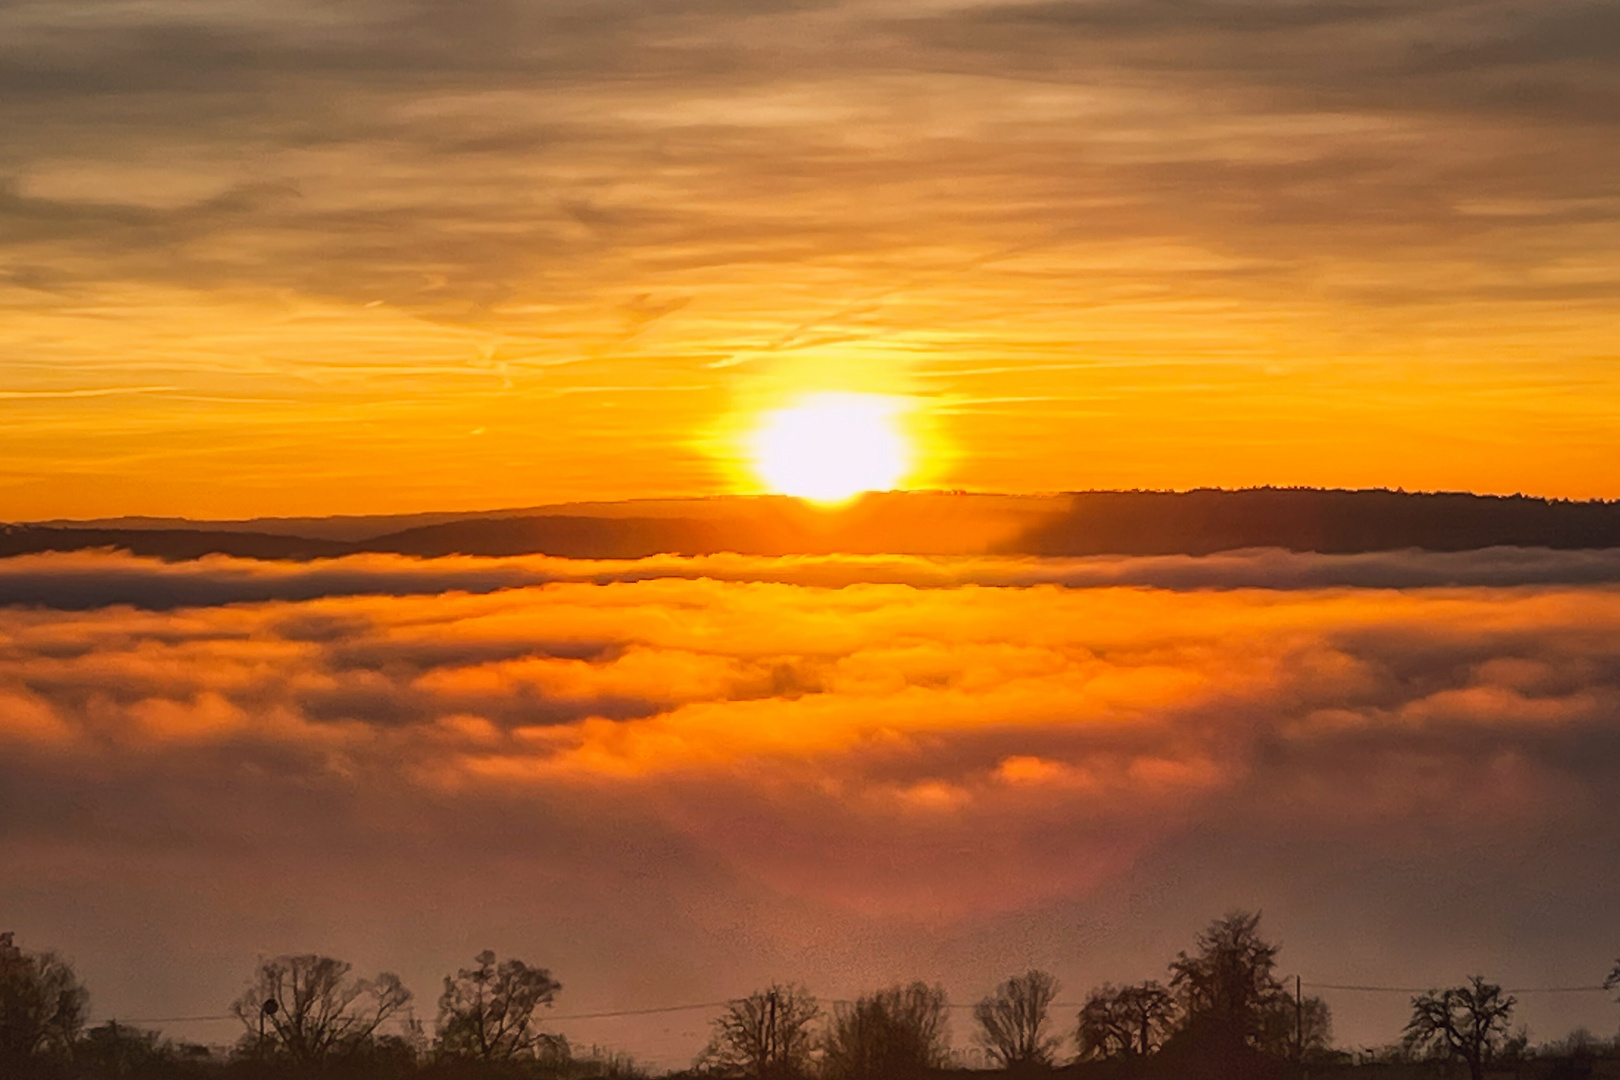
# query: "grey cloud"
{"type": "Point", "coordinates": [1124, 19]}
{"type": "Point", "coordinates": [399, 45]}
{"type": "Point", "coordinates": [1392, 58]}
{"type": "Point", "coordinates": [88, 581]}
{"type": "Point", "coordinates": [1542, 35]}
{"type": "Point", "coordinates": [588, 93]}
{"type": "Point", "coordinates": [419, 655]}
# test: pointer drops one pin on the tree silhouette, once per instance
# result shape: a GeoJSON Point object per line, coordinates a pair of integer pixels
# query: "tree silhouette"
{"type": "Point", "coordinates": [119, 1050]}
{"type": "Point", "coordinates": [766, 1036]}
{"type": "Point", "coordinates": [1469, 1022]}
{"type": "Point", "coordinates": [319, 1014]}
{"type": "Point", "coordinates": [1298, 1029]}
{"type": "Point", "coordinates": [1229, 985]}
{"type": "Point", "coordinates": [894, 1034]}
{"type": "Point", "coordinates": [487, 1012]}
{"type": "Point", "coordinates": [1612, 981]}
{"type": "Point", "coordinates": [1125, 1021]}
{"type": "Point", "coordinates": [1012, 1021]}
{"type": "Point", "coordinates": [42, 1003]}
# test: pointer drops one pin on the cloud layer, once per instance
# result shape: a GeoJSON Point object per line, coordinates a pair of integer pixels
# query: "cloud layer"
{"type": "Point", "coordinates": [106, 579]}
{"type": "Point", "coordinates": [949, 769]}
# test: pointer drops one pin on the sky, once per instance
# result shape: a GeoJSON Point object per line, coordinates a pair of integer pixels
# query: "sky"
{"type": "Point", "coordinates": [392, 255]}
{"type": "Point", "coordinates": [674, 781]}
{"type": "Point", "coordinates": [398, 256]}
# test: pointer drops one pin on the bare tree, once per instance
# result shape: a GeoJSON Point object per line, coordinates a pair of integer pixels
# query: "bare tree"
{"type": "Point", "coordinates": [487, 1012]}
{"type": "Point", "coordinates": [1470, 1022]}
{"type": "Point", "coordinates": [1315, 1027]}
{"type": "Point", "coordinates": [1125, 1021]}
{"type": "Point", "coordinates": [1105, 1029]}
{"type": "Point", "coordinates": [894, 1034]}
{"type": "Point", "coordinates": [1012, 1021]}
{"type": "Point", "coordinates": [1230, 984]}
{"type": "Point", "coordinates": [1300, 1028]}
{"type": "Point", "coordinates": [319, 1013]}
{"type": "Point", "coordinates": [42, 1003]}
{"type": "Point", "coordinates": [766, 1036]}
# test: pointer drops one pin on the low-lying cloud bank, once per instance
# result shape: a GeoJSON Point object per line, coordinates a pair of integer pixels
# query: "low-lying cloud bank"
{"type": "Point", "coordinates": [86, 580]}
{"type": "Point", "coordinates": [727, 769]}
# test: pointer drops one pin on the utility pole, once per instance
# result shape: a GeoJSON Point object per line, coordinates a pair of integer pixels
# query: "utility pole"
{"type": "Point", "coordinates": [770, 1042]}
{"type": "Point", "coordinates": [1299, 1023]}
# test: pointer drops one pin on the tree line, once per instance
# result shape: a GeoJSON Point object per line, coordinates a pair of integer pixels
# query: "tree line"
{"type": "Point", "coordinates": [301, 1015]}
{"type": "Point", "coordinates": [1222, 1012]}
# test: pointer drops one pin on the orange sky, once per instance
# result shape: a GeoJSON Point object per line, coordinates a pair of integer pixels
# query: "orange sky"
{"type": "Point", "coordinates": [286, 259]}
{"type": "Point", "coordinates": [290, 257]}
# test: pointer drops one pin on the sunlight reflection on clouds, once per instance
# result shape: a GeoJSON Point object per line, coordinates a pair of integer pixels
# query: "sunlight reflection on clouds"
{"type": "Point", "coordinates": [734, 709]}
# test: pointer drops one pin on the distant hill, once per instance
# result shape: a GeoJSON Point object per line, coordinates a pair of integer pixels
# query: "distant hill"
{"type": "Point", "coordinates": [345, 527]}
{"type": "Point", "coordinates": [920, 523]}
{"type": "Point", "coordinates": [570, 537]}
{"type": "Point", "coordinates": [171, 544]}
{"type": "Point", "coordinates": [1304, 519]}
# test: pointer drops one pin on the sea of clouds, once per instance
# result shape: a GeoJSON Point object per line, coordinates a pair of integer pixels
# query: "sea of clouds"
{"type": "Point", "coordinates": [842, 770]}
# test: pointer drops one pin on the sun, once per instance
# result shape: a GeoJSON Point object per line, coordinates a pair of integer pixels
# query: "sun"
{"type": "Point", "coordinates": [830, 447]}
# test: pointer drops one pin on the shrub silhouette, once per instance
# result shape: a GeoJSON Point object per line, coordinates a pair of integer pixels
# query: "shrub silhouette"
{"type": "Point", "coordinates": [894, 1034]}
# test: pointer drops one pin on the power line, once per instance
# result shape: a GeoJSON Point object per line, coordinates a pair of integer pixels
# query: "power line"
{"type": "Point", "coordinates": [694, 1006]}
{"type": "Point", "coordinates": [568, 1016]}
{"type": "Point", "coordinates": [955, 1005]}
{"type": "Point", "coordinates": [645, 1012]}
{"type": "Point", "coordinates": [1426, 989]}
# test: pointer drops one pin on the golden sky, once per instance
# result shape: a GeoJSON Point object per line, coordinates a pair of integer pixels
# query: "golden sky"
{"type": "Point", "coordinates": [286, 258]}
{"type": "Point", "coordinates": [289, 257]}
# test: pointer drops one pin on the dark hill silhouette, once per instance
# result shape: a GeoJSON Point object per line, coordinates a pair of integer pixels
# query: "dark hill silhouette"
{"type": "Point", "coordinates": [168, 544]}
{"type": "Point", "coordinates": [569, 537]}
{"type": "Point", "coordinates": [928, 523]}
{"type": "Point", "coordinates": [912, 523]}
{"type": "Point", "coordinates": [1306, 519]}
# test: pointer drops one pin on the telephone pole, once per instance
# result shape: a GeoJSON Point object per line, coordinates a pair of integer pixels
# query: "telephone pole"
{"type": "Point", "coordinates": [770, 1038]}
{"type": "Point", "coordinates": [1299, 1023]}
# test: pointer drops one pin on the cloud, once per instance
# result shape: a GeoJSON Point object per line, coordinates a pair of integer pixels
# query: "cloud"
{"type": "Point", "coordinates": [864, 769]}
{"type": "Point", "coordinates": [82, 581]}
{"type": "Point", "coordinates": [1401, 58]}
{"type": "Point", "coordinates": [703, 136]}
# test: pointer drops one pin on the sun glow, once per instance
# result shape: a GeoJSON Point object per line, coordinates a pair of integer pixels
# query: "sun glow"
{"type": "Point", "coordinates": [831, 447]}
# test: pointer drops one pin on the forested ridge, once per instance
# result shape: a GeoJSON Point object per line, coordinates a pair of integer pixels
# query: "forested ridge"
{"type": "Point", "coordinates": [1072, 524]}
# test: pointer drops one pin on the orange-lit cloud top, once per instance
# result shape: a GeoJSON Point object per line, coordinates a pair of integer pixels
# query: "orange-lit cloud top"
{"type": "Point", "coordinates": [303, 260]}
{"type": "Point", "coordinates": [953, 767]}
{"type": "Point", "coordinates": [942, 712]}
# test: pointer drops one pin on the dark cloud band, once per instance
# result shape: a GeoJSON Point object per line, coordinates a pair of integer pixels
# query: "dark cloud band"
{"type": "Point", "coordinates": [93, 580]}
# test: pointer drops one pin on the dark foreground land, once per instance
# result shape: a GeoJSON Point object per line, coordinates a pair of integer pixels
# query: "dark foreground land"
{"type": "Point", "coordinates": [193, 1064]}
{"type": "Point", "coordinates": [1223, 1013]}
{"type": "Point", "coordinates": [915, 523]}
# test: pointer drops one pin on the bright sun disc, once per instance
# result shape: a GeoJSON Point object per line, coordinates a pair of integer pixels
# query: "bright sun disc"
{"type": "Point", "coordinates": [831, 447]}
